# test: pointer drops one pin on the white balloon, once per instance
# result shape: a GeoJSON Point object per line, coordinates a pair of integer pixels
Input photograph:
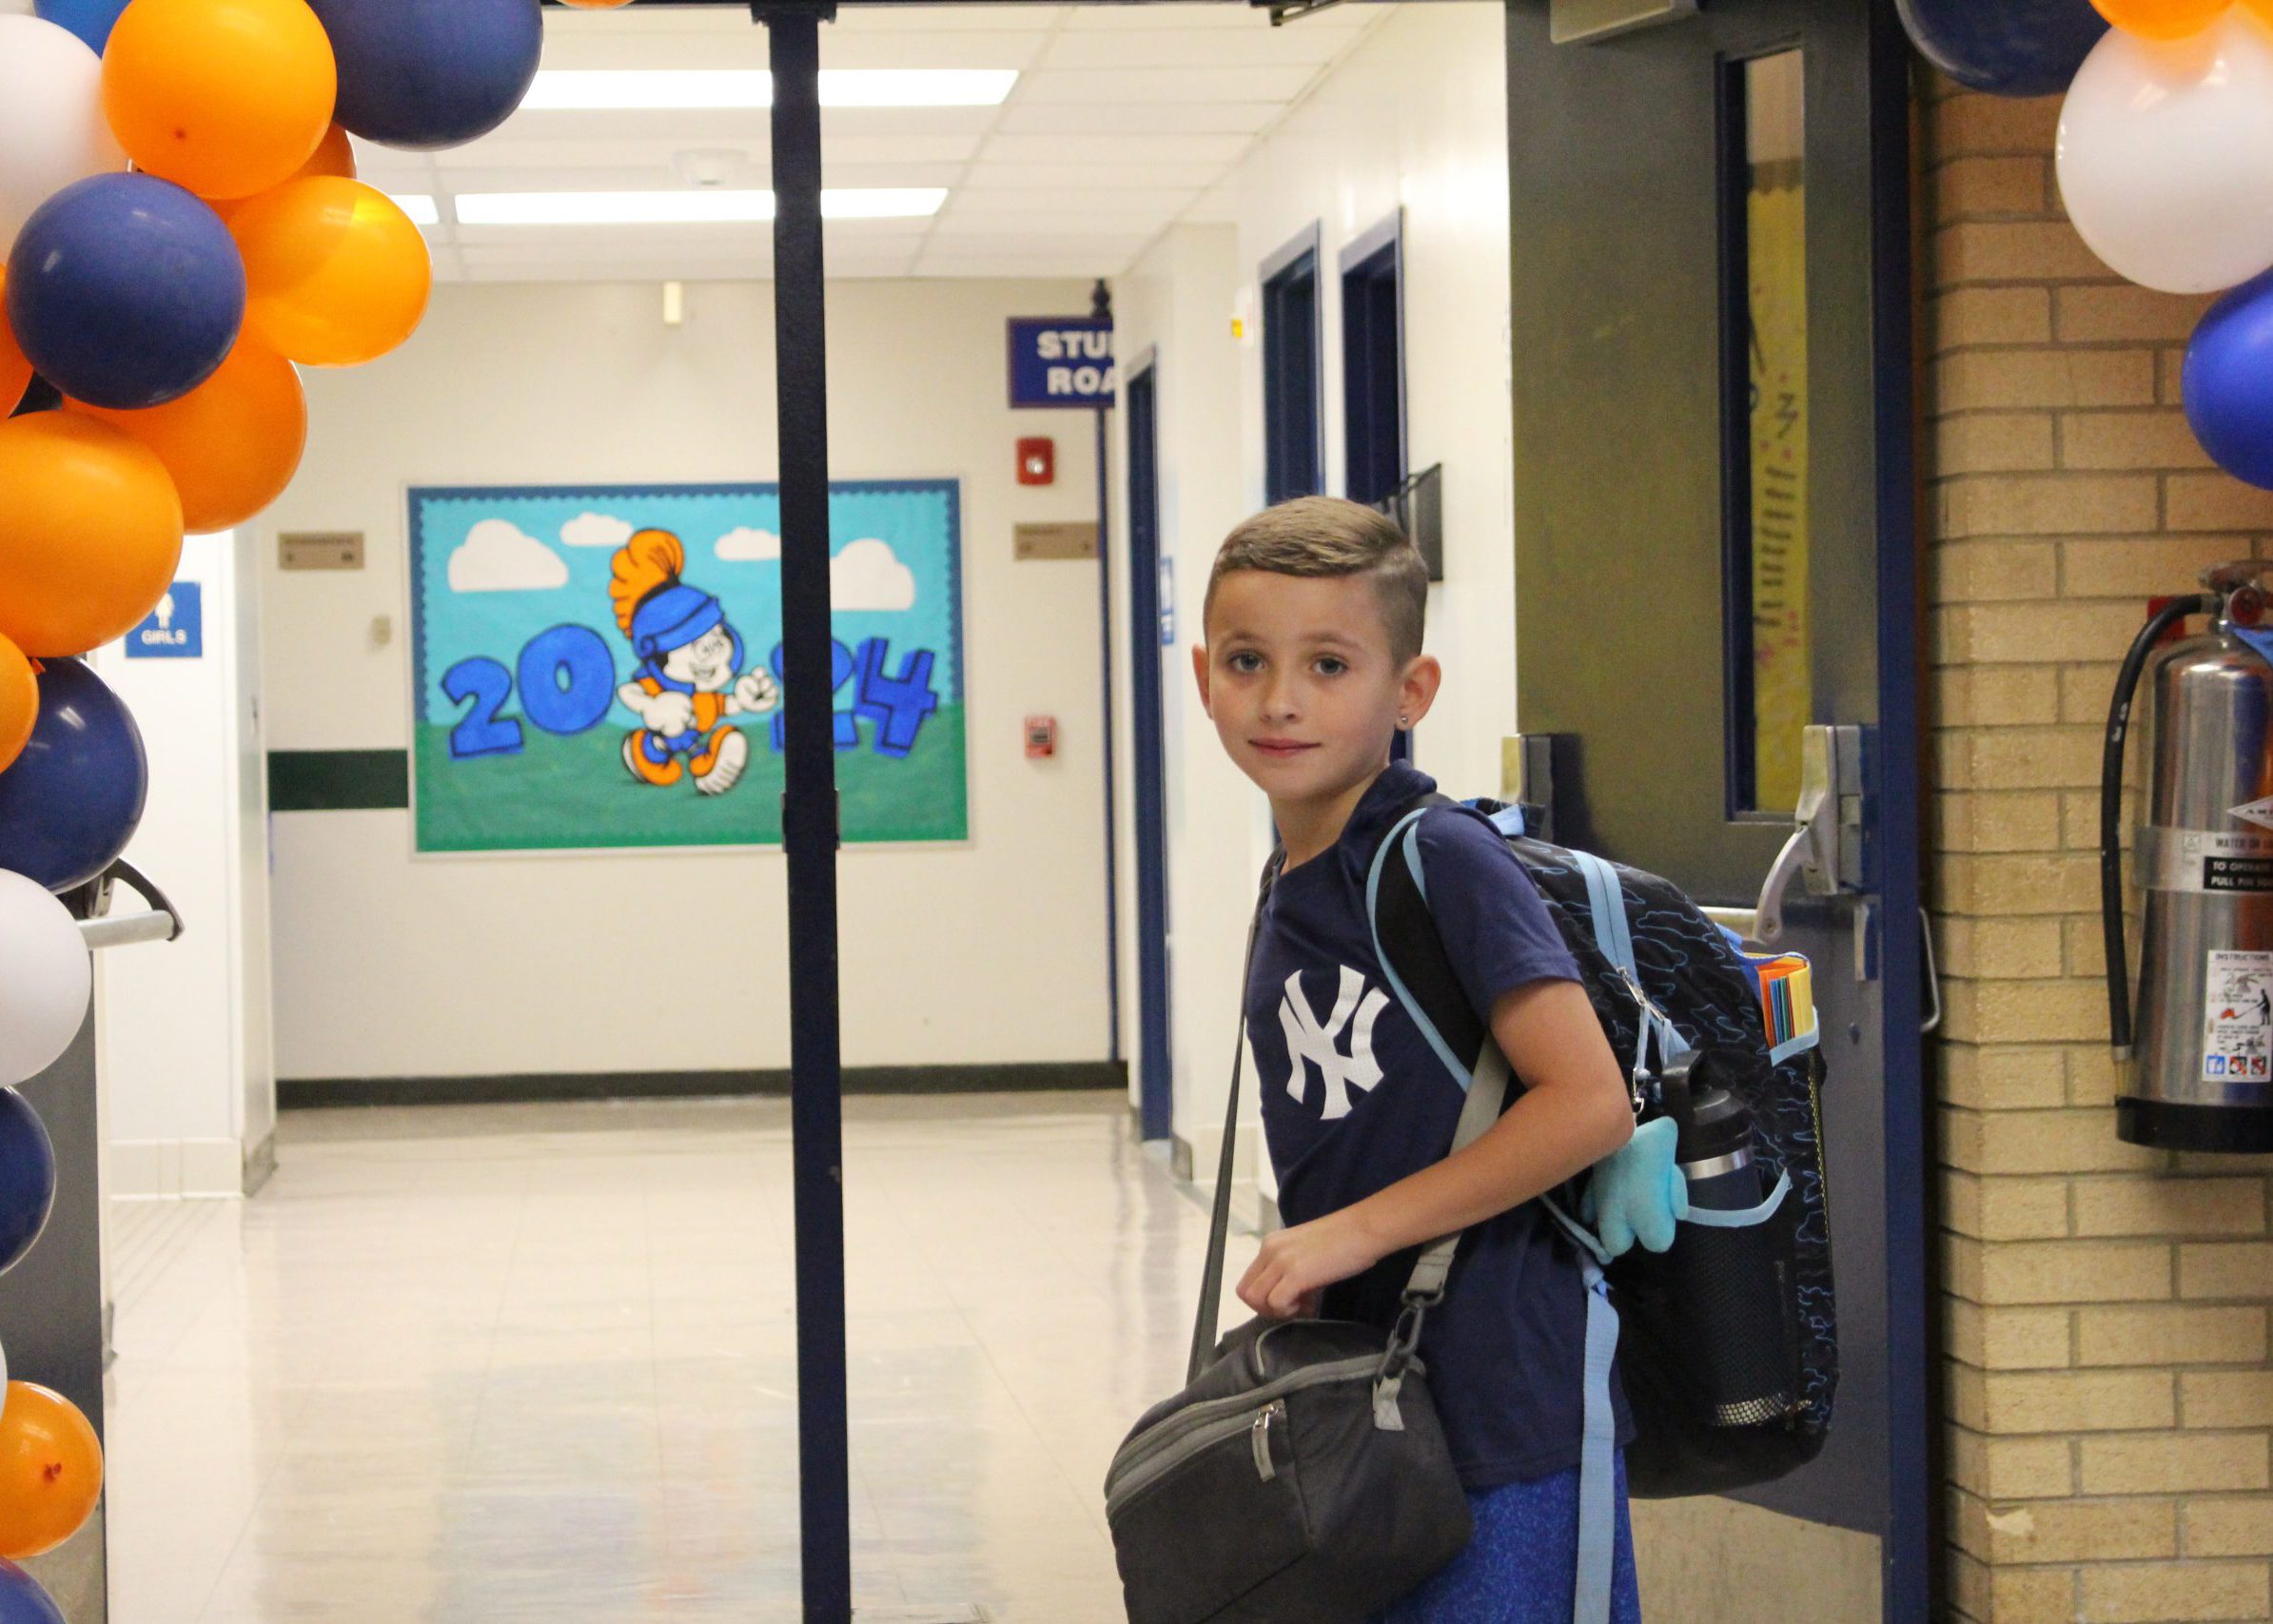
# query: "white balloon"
{"type": "Point", "coordinates": [53, 130]}
{"type": "Point", "coordinates": [45, 979]}
{"type": "Point", "coordinates": [2166, 155]}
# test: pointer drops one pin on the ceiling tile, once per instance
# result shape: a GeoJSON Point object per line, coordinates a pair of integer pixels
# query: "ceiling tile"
{"type": "Point", "coordinates": [1072, 202]}
{"type": "Point", "coordinates": [1194, 82]}
{"type": "Point", "coordinates": [1188, 118]}
{"type": "Point", "coordinates": [1178, 47]}
{"type": "Point", "coordinates": [987, 176]}
{"type": "Point", "coordinates": [1131, 149]}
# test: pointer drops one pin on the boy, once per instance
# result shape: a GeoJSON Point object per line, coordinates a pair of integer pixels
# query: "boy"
{"type": "Point", "coordinates": [1312, 661]}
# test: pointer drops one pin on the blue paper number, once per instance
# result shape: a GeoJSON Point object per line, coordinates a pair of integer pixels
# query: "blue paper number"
{"type": "Point", "coordinates": [846, 731]}
{"type": "Point", "coordinates": [897, 706]}
{"type": "Point", "coordinates": [483, 732]}
{"type": "Point", "coordinates": [567, 679]}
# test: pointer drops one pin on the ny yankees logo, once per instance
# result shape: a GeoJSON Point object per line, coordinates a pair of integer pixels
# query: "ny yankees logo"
{"type": "Point", "coordinates": [1309, 1044]}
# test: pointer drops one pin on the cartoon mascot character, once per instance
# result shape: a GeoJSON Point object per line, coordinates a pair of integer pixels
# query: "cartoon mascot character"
{"type": "Point", "coordinates": [689, 657]}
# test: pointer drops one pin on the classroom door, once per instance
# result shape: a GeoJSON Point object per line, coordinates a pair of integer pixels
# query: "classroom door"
{"type": "Point", "coordinates": [1716, 620]}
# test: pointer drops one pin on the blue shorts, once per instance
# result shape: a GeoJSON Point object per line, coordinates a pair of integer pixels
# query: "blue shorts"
{"type": "Point", "coordinates": [1522, 1565]}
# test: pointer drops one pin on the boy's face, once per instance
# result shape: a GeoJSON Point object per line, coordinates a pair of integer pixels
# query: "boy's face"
{"type": "Point", "coordinates": [1297, 676]}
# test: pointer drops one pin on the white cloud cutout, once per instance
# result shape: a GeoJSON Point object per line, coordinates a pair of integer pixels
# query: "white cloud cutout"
{"type": "Point", "coordinates": [866, 576]}
{"type": "Point", "coordinates": [596, 530]}
{"type": "Point", "coordinates": [745, 545]}
{"type": "Point", "coordinates": [497, 556]}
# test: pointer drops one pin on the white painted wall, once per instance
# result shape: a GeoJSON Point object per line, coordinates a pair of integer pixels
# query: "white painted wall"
{"type": "Point", "coordinates": [189, 1087]}
{"type": "Point", "coordinates": [991, 952]}
{"type": "Point", "coordinates": [1416, 120]}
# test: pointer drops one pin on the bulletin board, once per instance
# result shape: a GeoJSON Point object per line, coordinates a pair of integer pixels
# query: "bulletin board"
{"type": "Point", "coordinates": [598, 666]}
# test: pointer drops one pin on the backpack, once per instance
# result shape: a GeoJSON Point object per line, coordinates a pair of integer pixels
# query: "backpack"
{"type": "Point", "coordinates": [1664, 978]}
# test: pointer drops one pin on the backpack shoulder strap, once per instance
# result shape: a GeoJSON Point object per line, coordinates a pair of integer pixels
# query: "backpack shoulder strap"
{"type": "Point", "coordinates": [1421, 973]}
{"type": "Point", "coordinates": [1411, 953]}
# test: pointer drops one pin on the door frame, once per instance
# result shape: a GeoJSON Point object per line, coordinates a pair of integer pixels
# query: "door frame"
{"type": "Point", "coordinates": [1147, 698]}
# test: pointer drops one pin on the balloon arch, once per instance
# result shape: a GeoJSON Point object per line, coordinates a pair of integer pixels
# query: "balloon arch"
{"type": "Point", "coordinates": [182, 229]}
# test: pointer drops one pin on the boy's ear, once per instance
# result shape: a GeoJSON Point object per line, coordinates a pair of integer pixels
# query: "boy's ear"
{"type": "Point", "coordinates": [1419, 690]}
{"type": "Point", "coordinates": [1200, 676]}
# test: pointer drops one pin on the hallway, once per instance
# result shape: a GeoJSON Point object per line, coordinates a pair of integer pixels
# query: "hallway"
{"type": "Point", "coordinates": [535, 1362]}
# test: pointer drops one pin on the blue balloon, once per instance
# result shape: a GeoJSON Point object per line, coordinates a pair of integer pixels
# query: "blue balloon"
{"type": "Point", "coordinates": [2229, 382]}
{"type": "Point", "coordinates": [126, 291]}
{"type": "Point", "coordinates": [2007, 48]}
{"type": "Point", "coordinates": [91, 21]}
{"type": "Point", "coordinates": [428, 73]}
{"type": "Point", "coordinates": [70, 802]}
{"type": "Point", "coordinates": [27, 1191]}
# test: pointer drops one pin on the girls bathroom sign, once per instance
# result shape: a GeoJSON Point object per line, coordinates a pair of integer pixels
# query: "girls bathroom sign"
{"type": "Point", "coordinates": [602, 666]}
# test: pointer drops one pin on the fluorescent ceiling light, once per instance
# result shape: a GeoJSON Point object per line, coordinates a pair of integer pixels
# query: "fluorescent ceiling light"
{"type": "Point", "coordinates": [419, 206]}
{"type": "Point", "coordinates": [615, 90]}
{"type": "Point", "coordinates": [720, 207]}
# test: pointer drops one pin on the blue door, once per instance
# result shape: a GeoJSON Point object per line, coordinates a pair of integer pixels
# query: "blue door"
{"type": "Point", "coordinates": [1716, 624]}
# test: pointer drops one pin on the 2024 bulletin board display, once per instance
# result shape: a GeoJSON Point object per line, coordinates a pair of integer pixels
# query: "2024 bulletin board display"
{"type": "Point", "coordinates": [601, 666]}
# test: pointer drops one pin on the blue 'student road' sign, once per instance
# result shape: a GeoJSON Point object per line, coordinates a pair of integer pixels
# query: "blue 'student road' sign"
{"type": "Point", "coordinates": [176, 630]}
{"type": "Point", "coordinates": [1060, 360]}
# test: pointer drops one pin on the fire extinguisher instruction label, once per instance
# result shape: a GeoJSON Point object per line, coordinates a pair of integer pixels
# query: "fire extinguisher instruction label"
{"type": "Point", "coordinates": [2237, 1027]}
{"type": "Point", "coordinates": [2237, 874]}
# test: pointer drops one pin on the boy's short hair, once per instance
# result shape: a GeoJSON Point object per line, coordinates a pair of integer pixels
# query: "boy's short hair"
{"type": "Point", "coordinates": [1327, 536]}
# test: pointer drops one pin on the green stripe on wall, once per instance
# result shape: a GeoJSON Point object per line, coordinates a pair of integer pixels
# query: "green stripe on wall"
{"type": "Point", "coordinates": [338, 780]}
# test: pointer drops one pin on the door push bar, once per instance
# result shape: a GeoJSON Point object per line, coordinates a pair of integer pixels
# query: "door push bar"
{"type": "Point", "coordinates": [1824, 850]}
{"type": "Point", "coordinates": [1825, 847]}
{"type": "Point", "coordinates": [159, 921]}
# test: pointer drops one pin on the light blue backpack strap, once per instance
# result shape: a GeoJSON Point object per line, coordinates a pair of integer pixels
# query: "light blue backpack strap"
{"type": "Point", "coordinates": [1613, 933]}
{"type": "Point", "coordinates": [1597, 1458]}
{"type": "Point", "coordinates": [1509, 821]}
{"type": "Point", "coordinates": [1406, 834]}
{"type": "Point", "coordinates": [1743, 1218]}
{"type": "Point", "coordinates": [1799, 1044]}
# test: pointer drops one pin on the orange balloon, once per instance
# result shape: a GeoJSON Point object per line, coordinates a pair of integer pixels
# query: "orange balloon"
{"type": "Point", "coordinates": [2153, 19]}
{"type": "Point", "coordinates": [19, 702]}
{"type": "Point", "coordinates": [334, 155]}
{"type": "Point", "coordinates": [232, 444]}
{"type": "Point", "coordinates": [89, 533]}
{"type": "Point", "coordinates": [225, 97]}
{"type": "Point", "coordinates": [335, 273]}
{"type": "Point", "coordinates": [16, 372]}
{"type": "Point", "coordinates": [50, 1471]}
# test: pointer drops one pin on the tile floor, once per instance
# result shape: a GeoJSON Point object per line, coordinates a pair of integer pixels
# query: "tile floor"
{"type": "Point", "coordinates": [537, 1364]}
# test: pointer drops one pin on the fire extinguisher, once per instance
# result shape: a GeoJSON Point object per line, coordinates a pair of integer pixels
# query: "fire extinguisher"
{"type": "Point", "coordinates": [2197, 1074]}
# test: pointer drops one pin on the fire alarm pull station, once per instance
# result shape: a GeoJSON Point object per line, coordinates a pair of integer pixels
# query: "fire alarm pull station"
{"type": "Point", "coordinates": [1041, 737]}
{"type": "Point", "coordinates": [1037, 461]}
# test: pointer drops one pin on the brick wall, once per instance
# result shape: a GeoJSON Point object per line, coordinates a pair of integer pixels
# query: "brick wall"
{"type": "Point", "coordinates": [2108, 1388]}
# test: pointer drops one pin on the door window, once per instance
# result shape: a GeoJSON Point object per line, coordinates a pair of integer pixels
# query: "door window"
{"type": "Point", "coordinates": [1765, 352]}
{"type": "Point", "coordinates": [1291, 372]}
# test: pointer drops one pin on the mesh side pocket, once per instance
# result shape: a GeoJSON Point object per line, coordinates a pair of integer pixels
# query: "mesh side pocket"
{"type": "Point", "coordinates": [1735, 1287]}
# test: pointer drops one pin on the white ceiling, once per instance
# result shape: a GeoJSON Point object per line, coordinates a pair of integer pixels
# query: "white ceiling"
{"type": "Point", "coordinates": [1123, 118]}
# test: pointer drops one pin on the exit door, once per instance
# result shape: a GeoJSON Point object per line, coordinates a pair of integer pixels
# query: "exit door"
{"type": "Point", "coordinates": [1713, 408]}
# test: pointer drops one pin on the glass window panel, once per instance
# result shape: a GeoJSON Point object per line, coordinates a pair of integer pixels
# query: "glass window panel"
{"type": "Point", "coordinates": [1768, 549]}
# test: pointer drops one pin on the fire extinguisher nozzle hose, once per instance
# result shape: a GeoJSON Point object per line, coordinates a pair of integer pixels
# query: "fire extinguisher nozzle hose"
{"type": "Point", "coordinates": [2118, 717]}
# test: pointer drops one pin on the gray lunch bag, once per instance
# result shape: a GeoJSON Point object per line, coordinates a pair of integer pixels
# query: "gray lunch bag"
{"type": "Point", "coordinates": [1301, 1475]}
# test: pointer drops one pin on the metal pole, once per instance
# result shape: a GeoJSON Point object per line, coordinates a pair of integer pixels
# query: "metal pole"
{"type": "Point", "coordinates": [808, 820]}
{"type": "Point", "coordinates": [1101, 303]}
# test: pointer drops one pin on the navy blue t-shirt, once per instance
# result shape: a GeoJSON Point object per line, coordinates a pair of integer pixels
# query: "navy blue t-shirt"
{"type": "Point", "coordinates": [1368, 1103]}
